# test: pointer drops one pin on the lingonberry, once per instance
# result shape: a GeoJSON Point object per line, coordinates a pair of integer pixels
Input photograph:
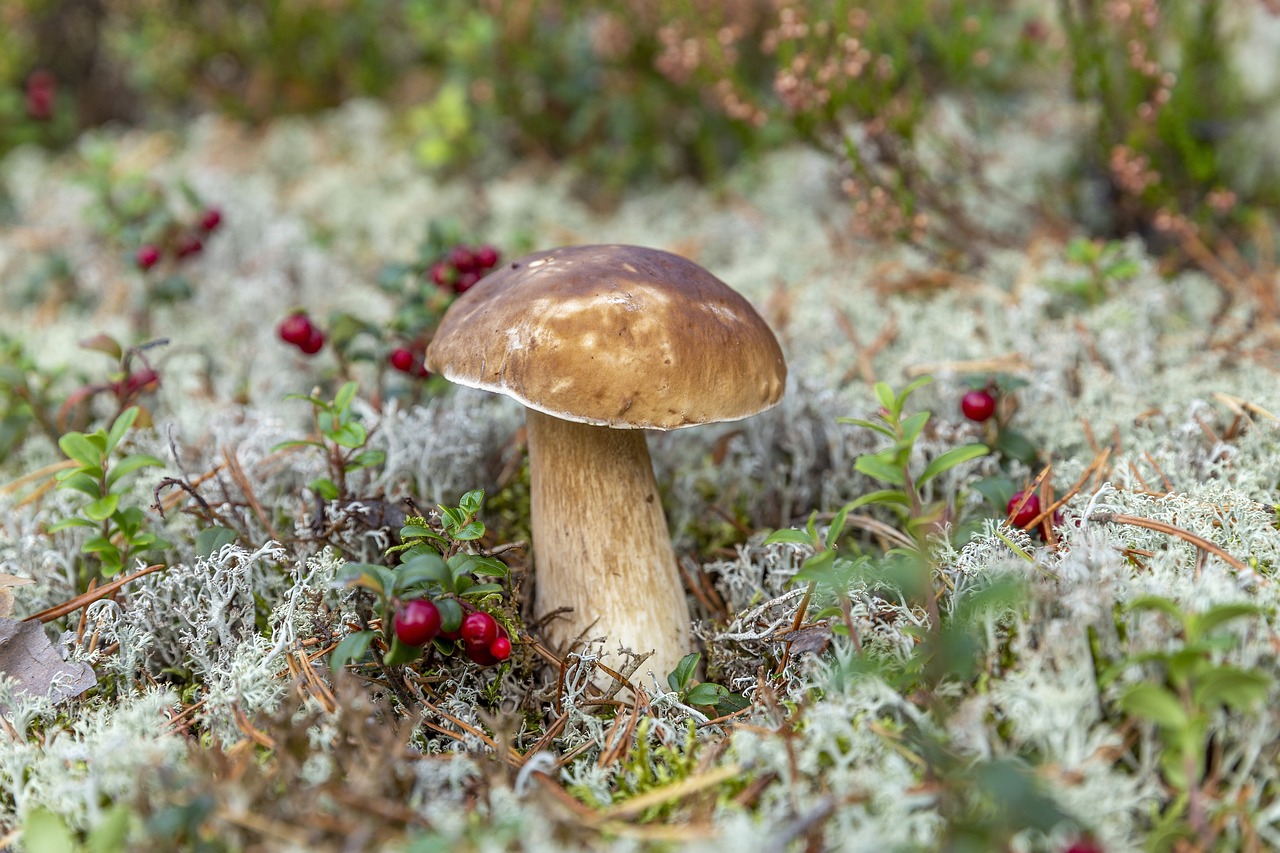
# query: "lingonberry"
{"type": "Point", "coordinates": [403, 360]}
{"type": "Point", "coordinates": [1030, 509]}
{"type": "Point", "coordinates": [479, 629]}
{"type": "Point", "coordinates": [463, 259]}
{"type": "Point", "coordinates": [465, 281]}
{"type": "Point", "coordinates": [1084, 845]}
{"type": "Point", "coordinates": [313, 343]}
{"type": "Point", "coordinates": [487, 257]}
{"type": "Point", "coordinates": [211, 219]}
{"type": "Point", "coordinates": [39, 96]}
{"type": "Point", "coordinates": [296, 329]}
{"type": "Point", "coordinates": [188, 246]}
{"type": "Point", "coordinates": [442, 274]}
{"type": "Point", "coordinates": [479, 654]}
{"type": "Point", "coordinates": [500, 648]}
{"type": "Point", "coordinates": [416, 622]}
{"type": "Point", "coordinates": [978, 405]}
{"type": "Point", "coordinates": [147, 257]}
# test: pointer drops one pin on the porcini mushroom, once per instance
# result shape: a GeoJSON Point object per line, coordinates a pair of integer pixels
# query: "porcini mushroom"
{"type": "Point", "coordinates": [600, 343]}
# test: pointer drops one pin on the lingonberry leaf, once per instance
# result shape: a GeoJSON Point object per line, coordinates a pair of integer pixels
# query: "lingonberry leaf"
{"type": "Point", "coordinates": [706, 694]}
{"type": "Point", "coordinates": [420, 568]}
{"type": "Point", "coordinates": [797, 537]}
{"type": "Point", "coordinates": [325, 488]}
{"type": "Point", "coordinates": [951, 459]}
{"type": "Point", "coordinates": [450, 614]}
{"type": "Point", "coordinates": [102, 508]}
{"type": "Point", "coordinates": [678, 679]}
{"type": "Point", "coordinates": [120, 426]}
{"type": "Point", "coordinates": [480, 590]}
{"type": "Point", "coordinates": [1235, 688]}
{"type": "Point", "coordinates": [77, 446]}
{"type": "Point", "coordinates": [469, 531]}
{"type": "Point", "coordinates": [130, 464]}
{"type": "Point", "coordinates": [876, 467]}
{"type": "Point", "coordinates": [1155, 703]}
{"type": "Point", "coordinates": [212, 539]}
{"type": "Point", "coordinates": [346, 394]}
{"type": "Point", "coordinates": [352, 647]}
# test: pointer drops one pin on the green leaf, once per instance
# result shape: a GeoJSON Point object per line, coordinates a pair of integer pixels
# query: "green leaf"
{"type": "Point", "coordinates": [347, 393]}
{"type": "Point", "coordinates": [951, 459]}
{"type": "Point", "coordinates": [884, 496]}
{"type": "Point", "coordinates": [911, 426]}
{"type": "Point", "coordinates": [490, 566]}
{"type": "Point", "coordinates": [678, 679]}
{"type": "Point", "coordinates": [102, 508]}
{"type": "Point", "coordinates": [401, 653]}
{"type": "Point", "coordinates": [1200, 624]}
{"type": "Point", "coordinates": [76, 445]}
{"type": "Point", "coordinates": [352, 647]}
{"type": "Point", "coordinates": [1155, 703]}
{"type": "Point", "coordinates": [423, 568]}
{"type": "Point", "coordinates": [325, 488]}
{"type": "Point", "coordinates": [878, 468]}
{"type": "Point", "coordinates": [997, 491]}
{"type": "Point", "coordinates": [70, 522]}
{"type": "Point", "coordinates": [111, 834]}
{"type": "Point", "coordinates": [1015, 445]}
{"type": "Point", "coordinates": [469, 531]}
{"type": "Point", "coordinates": [418, 531]}
{"type": "Point", "coordinates": [884, 394]}
{"type": "Point", "coordinates": [212, 539]}
{"type": "Point", "coordinates": [285, 445]}
{"type": "Point", "coordinates": [731, 703]}
{"type": "Point", "coordinates": [914, 386]}
{"type": "Point", "coordinates": [1236, 688]}
{"type": "Point", "coordinates": [367, 459]}
{"type": "Point", "coordinates": [882, 428]}
{"type": "Point", "coordinates": [472, 501]}
{"type": "Point", "coordinates": [371, 576]}
{"type": "Point", "coordinates": [797, 537]}
{"type": "Point", "coordinates": [129, 464]}
{"type": "Point", "coordinates": [706, 694]}
{"type": "Point", "coordinates": [46, 832]}
{"type": "Point", "coordinates": [121, 425]}
{"type": "Point", "coordinates": [450, 614]}
{"type": "Point", "coordinates": [481, 590]}
{"type": "Point", "coordinates": [837, 526]}
{"type": "Point", "coordinates": [1158, 603]}
{"type": "Point", "coordinates": [81, 482]}
{"type": "Point", "coordinates": [349, 434]}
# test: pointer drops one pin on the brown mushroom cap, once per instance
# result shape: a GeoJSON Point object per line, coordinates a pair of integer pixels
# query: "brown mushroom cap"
{"type": "Point", "coordinates": [618, 336]}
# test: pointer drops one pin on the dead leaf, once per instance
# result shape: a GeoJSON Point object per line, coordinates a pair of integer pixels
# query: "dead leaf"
{"type": "Point", "coordinates": [27, 656]}
{"type": "Point", "coordinates": [7, 582]}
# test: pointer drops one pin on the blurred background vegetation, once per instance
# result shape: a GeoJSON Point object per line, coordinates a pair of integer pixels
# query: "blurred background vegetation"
{"type": "Point", "coordinates": [635, 91]}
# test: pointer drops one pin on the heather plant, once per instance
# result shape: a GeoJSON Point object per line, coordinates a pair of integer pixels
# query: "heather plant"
{"type": "Point", "coordinates": [1172, 113]}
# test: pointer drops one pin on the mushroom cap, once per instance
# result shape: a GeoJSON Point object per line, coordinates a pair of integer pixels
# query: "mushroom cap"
{"type": "Point", "coordinates": [618, 336]}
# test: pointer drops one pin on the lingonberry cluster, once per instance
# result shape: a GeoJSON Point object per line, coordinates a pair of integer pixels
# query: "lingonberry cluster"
{"type": "Point", "coordinates": [181, 241]}
{"type": "Point", "coordinates": [463, 266]}
{"type": "Point", "coordinates": [483, 639]}
{"type": "Point", "coordinates": [297, 329]}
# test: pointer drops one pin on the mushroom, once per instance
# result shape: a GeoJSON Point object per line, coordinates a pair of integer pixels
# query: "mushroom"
{"type": "Point", "coordinates": [600, 343]}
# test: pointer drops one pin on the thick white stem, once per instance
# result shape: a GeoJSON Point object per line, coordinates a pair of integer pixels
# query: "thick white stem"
{"type": "Point", "coordinates": [601, 544]}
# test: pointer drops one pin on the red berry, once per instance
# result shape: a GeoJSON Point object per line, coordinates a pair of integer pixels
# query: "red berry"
{"type": "Point", "coordinates": [403, 360]}
{"type": "Point", "coordinates": [463, 259]}
{"type": "Point", "coordinates": [452, 635]}
{"type": "Point", "coordinates": [479, 629]}
{"type": "Point", "coordinates": [1029, 510]}
{"type": "Point", "coordinates": [978, 405]}
{"type": "Point", "coordinates": [211, 219]}
{"type": "Point", "coordinates": [189, 245]}
{"type": "Point", "coordinates": [1084, 845]}
{"type": "Point", "coordinates": [479, 654]}
{"type": "Point", "coordinates": [417, 622]}
{"type": "Point", "coordinates": [500, 648]}
{"type": "Point", "coordinates": [465, 281]}
{"type": "Point", "coordinates": [40, 94]}
{"type": "Point", "coordinates": [147, 257]}
{"type": "Point", "coordinates": [313, 343]}
{"type": "Point", "coordinates": [487, 257]}
{"type": "Point", "coordinates": [442, 274]}
{"type": "Point", "coordinates": [296, 329]}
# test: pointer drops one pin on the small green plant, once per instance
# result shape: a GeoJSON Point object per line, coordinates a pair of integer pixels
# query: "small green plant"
{"type": "Point", "coordinates": [1188, 691]}
{"type": "Point", "coordinates": [702, 693]}
{"type": "Point", "coordinates": [341, 437]}
{"type": "Point", "coordinates": [121, 529]}
{"type": "Point", "coordinates": [1104, 264]}
{"type": "Point", "coordinates": [434, 570]}
{"type": "Point", "coordinates": [908, 570]}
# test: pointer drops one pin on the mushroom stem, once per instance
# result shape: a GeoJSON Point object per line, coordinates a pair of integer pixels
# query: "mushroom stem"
{"type": "Point", "coordinates": [601, 544]}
